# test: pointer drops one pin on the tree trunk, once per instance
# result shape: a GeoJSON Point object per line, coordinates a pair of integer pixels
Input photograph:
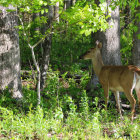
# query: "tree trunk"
{"type": "Point", "coordinates": [111, 42]}
{"type": "Point", "coordinates": [9, 52]}
{"type": "Point", "coordinates": [136, 40]}
{"type": "Point", "coordinates": [46, 45]}
{"type": "Point", "coordinates": [67, 4]}
{"type": "Point", "coordinates": [73, 2]}
{"type": "Point", "coordinates": [56, 12]}
{"type": "Point", "coordinates": [111, 39]}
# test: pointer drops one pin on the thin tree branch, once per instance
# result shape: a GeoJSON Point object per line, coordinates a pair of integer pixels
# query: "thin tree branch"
{"type": "Point", "coordinates": [34, 60]}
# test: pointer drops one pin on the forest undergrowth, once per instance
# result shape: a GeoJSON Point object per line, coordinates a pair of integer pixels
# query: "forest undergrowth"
{"type": "Point", "coordinates": [66, 111]}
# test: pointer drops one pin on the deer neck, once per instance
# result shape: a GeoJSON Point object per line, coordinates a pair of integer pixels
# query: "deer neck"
{"type": "Point", "coordinates": [97, 64]}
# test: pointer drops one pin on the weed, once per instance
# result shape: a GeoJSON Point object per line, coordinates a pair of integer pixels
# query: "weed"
{"type": "Point", "coordinates": [64, 113]}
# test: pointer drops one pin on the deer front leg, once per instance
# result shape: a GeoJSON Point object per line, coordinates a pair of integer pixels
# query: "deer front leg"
{"type": "Point", "coordinates": [106, 94]}
{"type": "Point", "coordinates": [117, 98]}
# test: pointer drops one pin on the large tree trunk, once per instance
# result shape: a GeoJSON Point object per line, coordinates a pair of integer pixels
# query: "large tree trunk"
{"type": "Point", "coordinates": [111, 43]}
{"type": "Point", "coordinates": [9, 52]}
{"type": "Point", "coordinates": [136, 41]}
{"type": "Point", "coordinates": [111, 40]}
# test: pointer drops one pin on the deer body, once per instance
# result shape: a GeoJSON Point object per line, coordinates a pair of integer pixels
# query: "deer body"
{"type": "Point", "coordinates": [116, 78]}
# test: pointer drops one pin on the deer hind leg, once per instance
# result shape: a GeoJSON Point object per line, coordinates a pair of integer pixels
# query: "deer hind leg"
{"type": "Point", "coordinates": [132, 101]}
{"type": "Point", "coordinates": [106, 94]}
{"type": "Point", "coordinates": [117, 98]}
{"type": "Point", "coordinates": [137, 88]}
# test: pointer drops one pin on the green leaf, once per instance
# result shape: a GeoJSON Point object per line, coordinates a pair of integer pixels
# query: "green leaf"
{"type": "Point", "coordinates": [101, 1]}
{"type": "Point", "coordinates": [135, 28]}
{"type": "Point", "coordinates": [46, 10]}
{"type": "Point", "coordinates": [138, 36]}
{"type": "Point", "coordinates": [42, 11]}
{"type": "Point", "coordinates": [10, 10]}
{"type": "Point", "coordinates": [40, 2]}
{"type": "Point", "coordinates": [87, 32]}
{"type": "Point", "coordinates": [45, 3]}
{"type": "Point", "coordinates": [82, 32]}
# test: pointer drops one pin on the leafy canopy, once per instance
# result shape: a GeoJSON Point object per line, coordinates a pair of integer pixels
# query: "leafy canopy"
{"type": "Point", "coordinates": [83, 18]}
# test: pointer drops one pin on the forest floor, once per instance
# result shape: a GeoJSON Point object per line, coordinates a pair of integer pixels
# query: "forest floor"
{"type": "Point", "coordinates": [67, 111]}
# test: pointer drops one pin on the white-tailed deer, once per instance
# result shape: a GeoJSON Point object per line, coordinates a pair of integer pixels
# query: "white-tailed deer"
{"type": "Point", "coordinates": [115, 78]}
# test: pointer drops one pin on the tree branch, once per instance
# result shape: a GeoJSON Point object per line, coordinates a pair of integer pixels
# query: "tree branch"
{"type": "Point", "coordinates": [34, 60]}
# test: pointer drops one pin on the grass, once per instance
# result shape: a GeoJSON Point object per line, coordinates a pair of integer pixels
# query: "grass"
{"type": "Point", "coordinates": [38, 124]}
{"type": "Point", "coordinates": [64, 113]}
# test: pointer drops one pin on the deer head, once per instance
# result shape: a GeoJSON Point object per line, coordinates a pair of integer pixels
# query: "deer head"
{"type": "Point", "coordinates": [93, 52]}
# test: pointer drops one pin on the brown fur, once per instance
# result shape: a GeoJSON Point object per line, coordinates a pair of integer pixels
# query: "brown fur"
{"type": "Point", "coordinates": [116, 78]}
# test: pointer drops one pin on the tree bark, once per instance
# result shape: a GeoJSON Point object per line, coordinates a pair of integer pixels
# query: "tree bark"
{"type": "Point", "coordinates": [111, 39]}
{"type": "Point", "coordinates": [67, 4]}
{"type": "Point", "coordinates": [136, 40]}
{"type": "Point", "coordinates": [56, 12]}
{"type": "Point", "coordinates": [9, 52]}
{"type": "Point", "coordinates": [46, 45]}
{"type": "Point", "coordinates": [111, 42]}
{"type": "Point", "coordinates": [73, 2]}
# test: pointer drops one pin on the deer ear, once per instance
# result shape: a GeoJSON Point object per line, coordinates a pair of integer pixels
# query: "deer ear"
{"type": "Point", "coordinates": [98, 44]}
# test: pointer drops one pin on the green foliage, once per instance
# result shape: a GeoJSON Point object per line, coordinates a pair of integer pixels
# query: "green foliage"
{"type": "Point", "coordinates": [65, 113]}
{"type": "Point", "coordinates": [66, 51]}
{"type": "Point", "coordinates": [77, 22]}
{"type": "Point", "coordinates": [128, 21]}
{"type": "Point", "coordinates": [126, 47]}
{"type": "Point", "coordinates": [84, 107]}
{"type": "Point", "coordinates": [85, 19]}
